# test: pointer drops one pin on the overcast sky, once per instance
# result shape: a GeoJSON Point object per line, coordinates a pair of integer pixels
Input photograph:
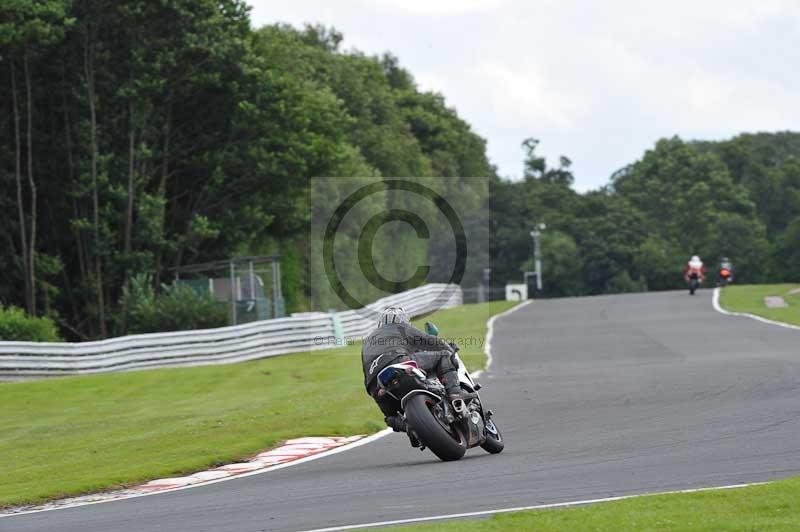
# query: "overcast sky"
{"type": "Point", "coordinates": [598, 82]}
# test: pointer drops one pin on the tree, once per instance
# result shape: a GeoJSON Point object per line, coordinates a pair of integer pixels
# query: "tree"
{"type": "Point", "coordinates": [658, 262]}
{"type": "Point", "coordinates": [743, 240]}
{"type": "Point", "coordinates": [562, 268]}
{"type": "Point", "coordinates": [787, 252]}
{"type": "Point", "coordinates": [27, 27]}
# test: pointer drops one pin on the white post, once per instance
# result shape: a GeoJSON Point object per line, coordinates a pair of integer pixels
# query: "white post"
{"type": "Point", "coordinates": [233, 294]}
{"type": "Point", "coordinates": [537, 254]}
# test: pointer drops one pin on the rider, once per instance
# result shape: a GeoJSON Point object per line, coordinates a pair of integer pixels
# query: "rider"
{"type": "Point", "coordinates": [726, 264]}
{"type": "Point", "coordinates": [396, 340]}
{"type": "Point", "coordinates": [694, 267]}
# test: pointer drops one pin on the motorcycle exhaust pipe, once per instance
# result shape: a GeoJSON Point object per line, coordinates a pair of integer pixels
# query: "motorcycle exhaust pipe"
{"type": "Point", "coordinates": [459, 406]}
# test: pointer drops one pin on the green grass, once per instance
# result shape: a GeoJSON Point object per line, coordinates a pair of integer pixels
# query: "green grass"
{"type": "Point", "coordinates": [772, 506]}
{"type": "Point", "coordinates": [459, 324]}
{"type": "Point", "coordinates": [74, 435]}
{"type": "Point", "coordinates": [750, 298]}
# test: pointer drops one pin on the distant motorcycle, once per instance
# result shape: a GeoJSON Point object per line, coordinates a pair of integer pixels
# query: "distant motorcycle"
{"type": "Point", "coordinates": [725, 277]}
{"type": "Point", "coordinates": [693, 279]}
{"type": "Point", "coordinates": [446, 428]}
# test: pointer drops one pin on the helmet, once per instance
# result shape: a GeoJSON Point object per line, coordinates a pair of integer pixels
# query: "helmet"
{"type": "Point", "coordinates": [725, 259]}
{"type": "Point", "coordinates": [393, 315]}
{"type": "Point", "coordinates": [695, 258]}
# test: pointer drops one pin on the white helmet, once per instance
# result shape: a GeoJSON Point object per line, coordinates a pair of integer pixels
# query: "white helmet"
{"type": "Point", "coordinates": [393, 315]}
{"type": "Point", "coordinates": [695, 258]}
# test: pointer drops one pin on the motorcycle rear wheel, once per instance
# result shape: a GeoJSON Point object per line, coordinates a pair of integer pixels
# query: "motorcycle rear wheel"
{"type": "Point", "coordinates": [430, 430]}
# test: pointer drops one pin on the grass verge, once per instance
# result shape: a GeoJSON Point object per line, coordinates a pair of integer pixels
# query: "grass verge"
{"type": "Point", "coordinates": [75, 435]}
{"type": "Point", "coordinates": [770, 506]}
{"type": "Point", "coordinates": [750, 299]}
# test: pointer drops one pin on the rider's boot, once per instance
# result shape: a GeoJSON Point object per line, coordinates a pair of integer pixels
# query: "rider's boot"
{"type": "Point", "coordinates": [397, 423]}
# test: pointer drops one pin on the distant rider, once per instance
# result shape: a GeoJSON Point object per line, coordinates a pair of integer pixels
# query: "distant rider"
{"type": "Point", "coordinates": [694, 267]}
{"type": "Point", "coordinates": [726, 266]}
{"type": "Point", "coordinates": [396, 340]}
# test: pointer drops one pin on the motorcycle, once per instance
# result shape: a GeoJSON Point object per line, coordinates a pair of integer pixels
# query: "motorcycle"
{"type": "Point", "coordinates": [725, 277]}
{"type": "Point", "coordinates": [447, 428]}
{"type": "Point", "coordinates": [694, 282]}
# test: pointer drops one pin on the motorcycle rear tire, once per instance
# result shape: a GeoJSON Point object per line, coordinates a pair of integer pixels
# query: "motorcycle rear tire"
{"type": "Point", "coordinates": [431, 432]}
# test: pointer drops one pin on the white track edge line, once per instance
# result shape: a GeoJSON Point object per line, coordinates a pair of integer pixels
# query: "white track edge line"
{"type": "Point", "coordinates": [526, 508]}
{"type": "Point", "coordinates": [363, 441]}
{"type": "Point", "coordinates": [487, 346]}
{"type": "Point", "coordinates": [718, 308]}
{"type": "Point", "coordinates": [346, 447]}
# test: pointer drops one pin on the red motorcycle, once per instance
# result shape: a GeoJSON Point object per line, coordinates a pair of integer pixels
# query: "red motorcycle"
{"type": "Point", "coordinates": [725, 277]}
{"type": "Point", "coordinates": [694, 278]}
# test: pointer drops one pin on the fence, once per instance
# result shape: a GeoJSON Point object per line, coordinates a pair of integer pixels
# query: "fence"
{"type": "Point", "coordinates": [306, 332]}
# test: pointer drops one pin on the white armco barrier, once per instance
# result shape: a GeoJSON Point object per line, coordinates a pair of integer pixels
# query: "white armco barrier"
{"type": "Point", "coordinates": [225, 345]}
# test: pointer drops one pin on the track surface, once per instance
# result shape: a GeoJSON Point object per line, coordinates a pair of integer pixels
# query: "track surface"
{"type": "Point", "coordinates": [596, 397]}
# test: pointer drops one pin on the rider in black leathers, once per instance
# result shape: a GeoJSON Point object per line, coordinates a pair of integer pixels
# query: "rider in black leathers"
{"type": "Point", "coordinates": [396, 340]}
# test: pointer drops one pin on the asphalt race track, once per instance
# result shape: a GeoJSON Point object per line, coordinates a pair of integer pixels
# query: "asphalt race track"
{"type": "Point", "coordinates": [596, 397]}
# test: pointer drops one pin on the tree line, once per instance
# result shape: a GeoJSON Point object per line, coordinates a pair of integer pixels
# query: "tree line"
{"type": "Point", "coordinates": [738, 198]}
{"type": "Point", "coordinates": [140, 136]}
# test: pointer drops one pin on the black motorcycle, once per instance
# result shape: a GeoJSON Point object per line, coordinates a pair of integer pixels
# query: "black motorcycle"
{"type": "Point", "coordinates": [446, 428]}
{"type": "Point", "coordinates": [694, 283]}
